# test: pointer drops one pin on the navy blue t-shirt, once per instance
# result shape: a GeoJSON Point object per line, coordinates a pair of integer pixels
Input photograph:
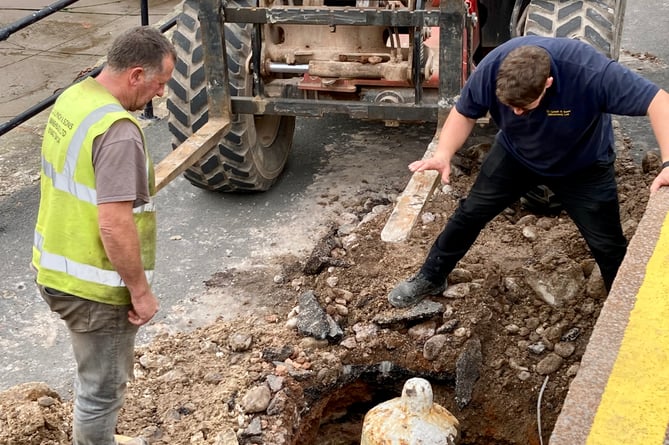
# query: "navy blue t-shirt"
{"type": "Point", "coordinates": [571, 128]}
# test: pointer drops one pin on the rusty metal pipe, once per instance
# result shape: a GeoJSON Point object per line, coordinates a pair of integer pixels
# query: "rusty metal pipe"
{"type": "Point", "coordinates": [388, 71]}
{"type": "Point", "coordinates": [274, 67]}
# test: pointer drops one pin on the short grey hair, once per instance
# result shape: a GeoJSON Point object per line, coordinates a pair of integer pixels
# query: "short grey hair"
{"type": "Point", "coordinates": [140, 46]}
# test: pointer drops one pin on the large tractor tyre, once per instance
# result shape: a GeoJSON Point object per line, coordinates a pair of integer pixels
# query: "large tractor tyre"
{"type": "Point", "coordinates": [597, 22]}
{"type": "Point", "coordinates": [252, 155]}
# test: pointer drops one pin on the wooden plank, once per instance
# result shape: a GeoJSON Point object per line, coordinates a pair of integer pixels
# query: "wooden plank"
{"type": "Point", "coordinates": [411, 201]}
{"type": "Point", "coordinates": [190, 151]}
{"type": "Point", "coordinates": [421, 185]}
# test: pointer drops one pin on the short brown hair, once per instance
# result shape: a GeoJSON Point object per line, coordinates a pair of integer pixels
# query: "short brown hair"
{"type": "Point", "coordinates": [522, 76]}
{"type": "Point", "coordinates": [140, 46]}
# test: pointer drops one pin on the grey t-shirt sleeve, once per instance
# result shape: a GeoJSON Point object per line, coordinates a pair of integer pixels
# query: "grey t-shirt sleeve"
{"type": "Point", "coordinates": [120, 165]}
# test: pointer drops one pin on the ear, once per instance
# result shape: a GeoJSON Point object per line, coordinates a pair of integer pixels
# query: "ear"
{"type": "Point", "coordinates": [549, 81]}
{"type": "Point", "coordinates": [136, 75]}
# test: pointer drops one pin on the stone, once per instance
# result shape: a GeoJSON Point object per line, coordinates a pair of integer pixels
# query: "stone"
{"type": "Point", "coordinates": [240, 342]}
{"type": "Point", "coordinates": [549, 364]}
{"type": "Point", "coordinates": [253, 429]}
{"type": "Point", "coordinates": [555, 284]}
{"type": "Point", "coordinates": [512, 328]}
{"type": "Point", "coordinates": [278, 404]}
{"type": "Point", "coordinates": [227, 437]}
{"type": "Point", "coordinates": [457, 291]}
{"type": "Point", "coordinates": [426, 309]}
{"type": "Point", "coordinates": [275, 382]}
{"type": "Point", "coordinates": [422, 331]}
{"type": "Point", "coordinates": [256, 399]}
{"type": "Point", "coordinates": [460, 275]}
{"type": "Point", "coordinates": [537, 348]}
{"type": "Point", "coordinates": [467, 371]}
{"type": "Point", "coordinates": [530, 233]}
{"type": "Point", "coordinates": [363, 331]}
{"type": "Point", "coordinates": [433, 346]}
{"type": "Point", "coordinates": [564, 349]}
{"type": "Point", "coordinates": [312, 319]}
{"type": "Point", "coordinates": [448, 326]}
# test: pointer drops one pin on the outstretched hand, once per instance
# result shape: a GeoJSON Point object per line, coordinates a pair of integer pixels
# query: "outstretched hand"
{"type": "Point", "coordinates": [441, 165]}
{"type": "Point", "coordinates": [661, 180]}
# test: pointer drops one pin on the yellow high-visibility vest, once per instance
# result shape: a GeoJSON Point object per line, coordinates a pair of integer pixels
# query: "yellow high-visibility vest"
{"type": "Point", "coordinates": [68, 253]}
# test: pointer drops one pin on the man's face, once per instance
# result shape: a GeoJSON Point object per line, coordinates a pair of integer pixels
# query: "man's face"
{"type": "Point", "coordinates": [150, 85]}
{"type": "Point", "coordinates": [525, 110]}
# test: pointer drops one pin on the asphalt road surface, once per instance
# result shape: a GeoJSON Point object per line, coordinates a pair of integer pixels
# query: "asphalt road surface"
{"type": "Point", "coordinates": [201, 233]}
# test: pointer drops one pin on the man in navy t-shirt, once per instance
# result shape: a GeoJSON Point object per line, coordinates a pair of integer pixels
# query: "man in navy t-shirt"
{"type": "Point", "coordinates": [552, 99]}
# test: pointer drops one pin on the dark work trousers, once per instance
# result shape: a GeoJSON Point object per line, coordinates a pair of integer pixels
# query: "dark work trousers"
{"type": "Point", "coordinates": [589, 196]}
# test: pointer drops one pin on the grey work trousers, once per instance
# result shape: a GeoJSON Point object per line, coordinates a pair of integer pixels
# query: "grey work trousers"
{"type": "Point", "coordinates": [103, 341]}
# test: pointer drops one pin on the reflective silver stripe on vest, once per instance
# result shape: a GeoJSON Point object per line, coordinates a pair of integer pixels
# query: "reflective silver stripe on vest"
{"type": "Point", "coordinates": [64, 181]}
{"type": "Point", "coordinates": [148, 207]}
{"type": "Point", "coordinates": [67, 184]}
{"type": "Point", "coordinates": [81, 271]}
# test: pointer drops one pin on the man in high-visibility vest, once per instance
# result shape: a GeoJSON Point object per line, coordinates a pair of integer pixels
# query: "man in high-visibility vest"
{"type": "Point", "coordinates": [95, 237]}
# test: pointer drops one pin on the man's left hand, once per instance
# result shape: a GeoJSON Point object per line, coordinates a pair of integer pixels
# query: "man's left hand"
{"type": "Point", "coordinates": [661, 180]}
{"type": "Point", "coordinates": [143, 309]}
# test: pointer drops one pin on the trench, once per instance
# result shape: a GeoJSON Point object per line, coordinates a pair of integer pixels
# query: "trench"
{"type": "Point", "coordinates": [336, 412]}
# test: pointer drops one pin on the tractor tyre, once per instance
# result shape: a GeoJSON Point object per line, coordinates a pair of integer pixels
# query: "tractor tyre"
{"type": "Point", "coordinates": [252, 155]}
{"type": "Point", "coordinates": [597, 22]}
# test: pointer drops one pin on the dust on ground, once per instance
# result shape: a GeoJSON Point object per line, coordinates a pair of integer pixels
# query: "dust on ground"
{"type": "Point", "coordinates": [488, 345]}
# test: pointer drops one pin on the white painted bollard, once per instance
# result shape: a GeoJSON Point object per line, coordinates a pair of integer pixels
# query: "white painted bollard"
{"type": "Point", "coordinates": [412, 419]}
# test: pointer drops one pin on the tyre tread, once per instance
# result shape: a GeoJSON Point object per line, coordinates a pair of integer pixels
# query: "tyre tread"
{"type": "Point", "coordinates": [598, 23]}
{"type": "Point", "coordinates": [231, 166]}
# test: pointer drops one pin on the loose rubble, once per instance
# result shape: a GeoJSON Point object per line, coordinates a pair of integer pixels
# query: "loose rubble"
{"type": "Point", "coordinates": [520, 306]}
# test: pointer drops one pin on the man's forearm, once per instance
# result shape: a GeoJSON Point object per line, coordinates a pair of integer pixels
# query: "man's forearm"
{"type": "Point", "coordinates": [453, 134]}
{"type": "Point", "coordinates": [658, 113]}
{"type": "Point", "coordinates": [122, 245]}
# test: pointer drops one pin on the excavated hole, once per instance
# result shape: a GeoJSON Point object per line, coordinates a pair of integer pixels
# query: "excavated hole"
{"type": "Point", "coordinates": [336, 412]}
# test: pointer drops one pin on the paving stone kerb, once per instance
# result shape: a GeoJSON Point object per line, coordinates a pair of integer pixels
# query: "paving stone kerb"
{"type": "Point", "coordinates": [575, 422]}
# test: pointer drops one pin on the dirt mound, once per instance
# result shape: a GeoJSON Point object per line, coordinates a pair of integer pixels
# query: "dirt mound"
{"type": "Point", "coordinates": [511, 328]}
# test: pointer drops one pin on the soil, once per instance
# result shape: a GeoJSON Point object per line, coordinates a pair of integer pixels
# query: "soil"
{"type": "Point", "coordinates": [493, 350]}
